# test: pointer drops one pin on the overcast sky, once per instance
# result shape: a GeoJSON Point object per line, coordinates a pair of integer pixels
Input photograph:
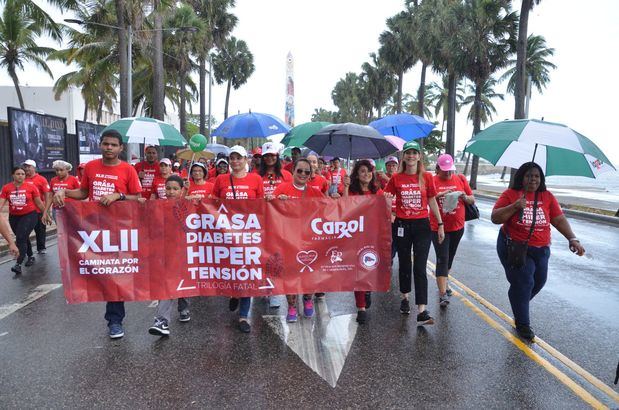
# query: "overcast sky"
{"type": "Point", "coordinates": [330, 38]}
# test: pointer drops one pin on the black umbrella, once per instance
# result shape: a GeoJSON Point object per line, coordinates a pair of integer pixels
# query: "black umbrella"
{"type": "Point", "coordinates": [349, 140]}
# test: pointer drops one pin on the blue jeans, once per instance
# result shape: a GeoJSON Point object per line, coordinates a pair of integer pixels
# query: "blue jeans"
{"type": "Point", "coordinates": [525, 282]}
{"type": "Point", "coordinates": [244, 305]}
{"type": "Point", "coordinates": [114, 313]}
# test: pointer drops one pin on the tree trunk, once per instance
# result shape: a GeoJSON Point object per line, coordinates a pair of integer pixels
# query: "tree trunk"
{"type": "Point", "coordinates": [451, 115]}
{"type": "Point", "coordinates": [422, 91]}
{"type": "Point", "coordinates": [398, 103]}
{"type": "Point", "coordinates": [158, 109]}
{"type": "Point", "coordinates": [13, 75]}
{"type": "Point", "coordinates": [182, 114]}
{"type": "Point", "coordinates": [202, 96]}
{"type": "Point", "coordinates": [476, 128]}
{"type": "Point", "coordinates": [466, 166]}
{"type": "Point", "coordinates": [123, 62]}
{"type": "Point", "coordinates": [227, 98]}
{"type": "Point", "coordinates": [521, 58]}
{"type": "Point", "coordinates": [85, 111]}
{"type": "Point", "coordinates": [100, 110]}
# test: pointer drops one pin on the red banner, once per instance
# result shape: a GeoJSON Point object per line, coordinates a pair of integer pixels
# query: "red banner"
{"type": "Point", "coordinates": [169, 249]}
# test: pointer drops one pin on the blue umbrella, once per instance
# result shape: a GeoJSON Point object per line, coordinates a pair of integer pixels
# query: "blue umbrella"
{"type": "Point", "coordinates": [352, 141]}
{"type": "Point", "coordinates": [406, 126]}
{"type": "Point", "coordinates": [250, 125]}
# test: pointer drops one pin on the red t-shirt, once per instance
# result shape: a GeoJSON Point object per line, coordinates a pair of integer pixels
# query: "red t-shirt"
{"type": "Point", "coordinates": [41, 184]}
{"type": "Point", "coordinates": [21, 200]}
{"type": "Point", "coordinates": [159, 187]}
{"type": "Point", "coordinates": [151, 171]}
{"type": "Point", "coordinates": [184, 173]}
{"type": "Point", "coordinates": [319, 183]}
{"type": "Point", "coordinates": [204, 190]}
{"type": "Point", "coordinates": [547, 209]}
{"type": "Point", "coordinates": [379, 192]}
{"type": "Point", "coordinates": [101, 180]}
{"type": "Point", "coordinates": [411, 201]}
{"type": "Point", "coordinates": [288, 188]}
{"type": "Point", "coordinates": [289, 166]}
{"type": "Point", "coordinates": [454, 220]}
{"type": "Point", "coordinates": [271, 181]}
{"type": "Point", "coordinates": [248, 187]}
{"type": "Point", "coordinates": [70, 182]}
{"type": "Point", "coordinates": [337, 178]}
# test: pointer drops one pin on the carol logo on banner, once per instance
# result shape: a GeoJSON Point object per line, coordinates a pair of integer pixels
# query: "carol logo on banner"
{"type": "Point", "coordinates": [170, 249]}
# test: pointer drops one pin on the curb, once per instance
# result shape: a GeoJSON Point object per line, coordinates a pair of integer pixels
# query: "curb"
{"type": "Point", "coordinates": [587, 216]}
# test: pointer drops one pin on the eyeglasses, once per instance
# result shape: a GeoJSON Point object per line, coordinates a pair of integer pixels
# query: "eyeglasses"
{"type": "Point", "coordinates": [302, 171]}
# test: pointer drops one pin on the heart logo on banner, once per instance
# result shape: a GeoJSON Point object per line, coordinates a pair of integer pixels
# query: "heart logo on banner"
{"type": "Point", "coordinates": [306, 258]}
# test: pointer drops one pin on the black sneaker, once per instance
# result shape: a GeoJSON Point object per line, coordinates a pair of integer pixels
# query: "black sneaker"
{"type": "Point", "coordinates": [159, 328]}
{"type": "Point", "coordinates": [525, 332]}
{"type": "Point", "coordinates": [448, 291]}
{"type": "Point", "coordinates": [424, 318]}
{"type": "Point", "coordinates": [30, 261]}
{"type": "Point", "coordinates": [184, 316]}
{"type": "Point", "coordinates": [244, 326]}
{"type": "Point", "coordinates": [368, 299]}
{"type": "Point", "coordinates": [361, 316]}
{"type": "Point", "coordinates": [233, 304]}
{"type": "Point", "coordinates": [405, 307]}
{"type": "Point", "coordinates": [16, 269]}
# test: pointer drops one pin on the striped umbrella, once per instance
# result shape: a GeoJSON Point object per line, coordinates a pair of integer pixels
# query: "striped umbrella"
{"type": "Point", "coordinates": [147, 131]}
{"type": "Point", "coordinates": [556, 148]}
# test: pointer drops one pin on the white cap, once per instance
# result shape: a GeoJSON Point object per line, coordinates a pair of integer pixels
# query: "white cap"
{"type": "Point", "coordinates": [392, 159]}
{"type": "Point", "coordinates": [270, 148]}
{"type": "Point", "coordinates": [177, 164]}
{"type": "Point", "coordinates": [29, 162]}
{"type": "Point", "coordinates": [220, 160]}
{"type": "Point", "coordinates": [239, 150]}
{"type": "Point", "coordinates": [166, 161]}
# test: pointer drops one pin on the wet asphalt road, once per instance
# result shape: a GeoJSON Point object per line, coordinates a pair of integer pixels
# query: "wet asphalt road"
{"type": "Point", "coordinates": [57, 355]}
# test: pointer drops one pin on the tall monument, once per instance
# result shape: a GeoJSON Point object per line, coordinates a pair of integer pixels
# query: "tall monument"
{"type": "Point", "coordinates": [289, 114]}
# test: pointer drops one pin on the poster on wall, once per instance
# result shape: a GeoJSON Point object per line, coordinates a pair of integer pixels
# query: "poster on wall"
{"type": "Point", "coordinates": [39, 137]}
{"type": "Point", "coordinates": [88, 137]}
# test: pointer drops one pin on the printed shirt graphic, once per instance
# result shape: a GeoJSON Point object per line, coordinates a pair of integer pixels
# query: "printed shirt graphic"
{"type": "Point", "coordinates": [288, 188]}
{"type": "Point", "coordinates": [21, 200]}
{"type": "Point", "coordinates": [454, 220]}
{"type": "Point", "coordinates": [319, 183]}
{"type": "Point", "coordinates": [411, 200]}
{"type": "Point", "coordinates": [337, 178]}
{"type": "Point", "coordinates": [272, 181]}
{"type": "Point", "coordinates": [204, 190]}
{"type": "Point", "coordinates": [101, 180]}
{"type": "Point", "coordinates": [151, 171]}
{"type": "Point", "coordinates": [547, 209]}
{"type": "Point", "coordinates": [159, 187]}
{"type": "Point", "coordinates": [248, 187]}
{"type": "Point", "coordinates": [70, 182]}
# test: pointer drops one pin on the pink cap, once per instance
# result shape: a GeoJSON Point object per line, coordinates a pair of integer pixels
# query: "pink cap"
{"type": "Point", "coordinates": [392, 159]}
{"type": "Point", "coordinates": [166, 161]}
{"type": "Point", "coordinates": [446, 163]}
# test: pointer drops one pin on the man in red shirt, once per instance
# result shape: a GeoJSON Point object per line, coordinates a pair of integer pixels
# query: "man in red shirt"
{"type": "Point", "coordinates": [32, 178]}
{"type": "Point", "coordinates": [336, 177]}
{"type": "Point", "coordinates": [295, 152]}
{"type": "Point", "coordinates": [148, 170]}
{"type": "Point", "coordinates": [107, 180]}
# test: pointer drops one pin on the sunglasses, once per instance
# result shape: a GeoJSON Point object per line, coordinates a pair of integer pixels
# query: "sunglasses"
{"type": "Point", "coordinates": [302, 171]}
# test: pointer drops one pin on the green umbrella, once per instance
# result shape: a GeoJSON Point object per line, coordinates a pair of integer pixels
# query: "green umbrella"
{"type": "Point", "coordinates": [147, 131]}
{"type": "Point", "coordinates": [299, 134]}
{"type": "Point", "coordinates": [556, 148]}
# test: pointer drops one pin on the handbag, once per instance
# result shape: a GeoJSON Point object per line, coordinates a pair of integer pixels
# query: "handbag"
{"type": "Point", "coordinates": [517, 250]}
{"type": "Point", "coordinates": [471, 211]}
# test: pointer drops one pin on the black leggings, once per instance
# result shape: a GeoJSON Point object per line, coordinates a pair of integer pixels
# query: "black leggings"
{"type": "Point", "coordinates": [22, 226]}
{"type": "Point", "coordinates": [446, 251]}
{"type": "Point", "coordinates": [417, 235]}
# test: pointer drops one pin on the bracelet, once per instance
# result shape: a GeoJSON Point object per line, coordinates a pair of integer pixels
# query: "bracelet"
{"type": "Point", "coordinates": [122, 196]}
{"type": "Point", "coordinates": [440, 224]}
{"type": "Point", "coordinates": [573, 239]}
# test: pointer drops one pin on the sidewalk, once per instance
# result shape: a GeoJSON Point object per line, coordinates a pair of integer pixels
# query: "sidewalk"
{"type": "Point", "coordinates": [51, 231]}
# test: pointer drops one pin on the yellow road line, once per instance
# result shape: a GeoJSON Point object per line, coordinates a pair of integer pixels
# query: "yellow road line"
{"type": "Point", "coordinates": [541, 343]}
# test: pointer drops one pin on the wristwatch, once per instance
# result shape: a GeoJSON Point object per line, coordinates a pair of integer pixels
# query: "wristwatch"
{"type": "Point", "coordinates": [122, 196]}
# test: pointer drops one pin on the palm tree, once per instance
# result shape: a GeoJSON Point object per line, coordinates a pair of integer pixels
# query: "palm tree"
{"type": "Point", "coordinates": [379, 82]}
{"type": "Point", "coordinates": [487, 95]}
{"type": "Point", "coordinates": [490, 40]}
{"type": "Point", "coordinates": [396, 50]}
{"type": "Point", "coordinates": [537, 65]}
{"type": "Point", "coordinates": [438, 98]}
{"type": "Point", "coordinates": [234, 64]}
{"type": "Point", "coordinates": [409, 104]}
{"type": "Point", "coordinates": [18, 44]}
{"type": "Point", "coordinates": [347, 96]}
{"type": "Point", "coordinates": [521, 58]}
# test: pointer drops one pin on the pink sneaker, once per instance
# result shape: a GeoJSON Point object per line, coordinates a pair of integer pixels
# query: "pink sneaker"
{"type": "Point", "coordinates": [308, 307]}
{"type": "Point", "coordinates": [292, 314]}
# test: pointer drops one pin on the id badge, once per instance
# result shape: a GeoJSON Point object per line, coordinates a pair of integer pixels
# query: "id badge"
{"type": "Point", "coordinates": [401, 232]}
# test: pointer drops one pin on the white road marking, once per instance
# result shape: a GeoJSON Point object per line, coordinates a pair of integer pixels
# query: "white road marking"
{"type": "Point", "coordinates": [36, 293]}
{"type": "Point", "coordinates": [4, 334]}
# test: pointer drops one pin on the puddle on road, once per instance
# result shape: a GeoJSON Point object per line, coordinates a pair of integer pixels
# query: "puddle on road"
{"type": "Point", "coordinates": [601, 304]}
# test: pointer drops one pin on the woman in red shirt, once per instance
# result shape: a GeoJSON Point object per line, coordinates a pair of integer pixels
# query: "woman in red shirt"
{"type": "Point", "coordinates": [447, 181]}
{"type": "Point", "coordinates": [62, 180]}
{"type": "Point", "coordinates": [362, 181]}
{"type": "Point", "coordinates": [159, 183]}
{"type": "Point", "coordinates": [316, 180]}
{"type": "Point", "coordinates": [298, 188]}
{"type": "Point", "coordinates": [199, 188]}
{"type": "Point", "coordinates": [270, 169]}
{"type": "Point", "coordinates": [414, 191]}
{"type": "Point", "coordinates": [516, 209]}
{"type": "Point", "coordinates": [239, 185]}
{"type": "Point", "coordinates": [221, 167]}
{"type": "Point", "coordinates": [23, 200]}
